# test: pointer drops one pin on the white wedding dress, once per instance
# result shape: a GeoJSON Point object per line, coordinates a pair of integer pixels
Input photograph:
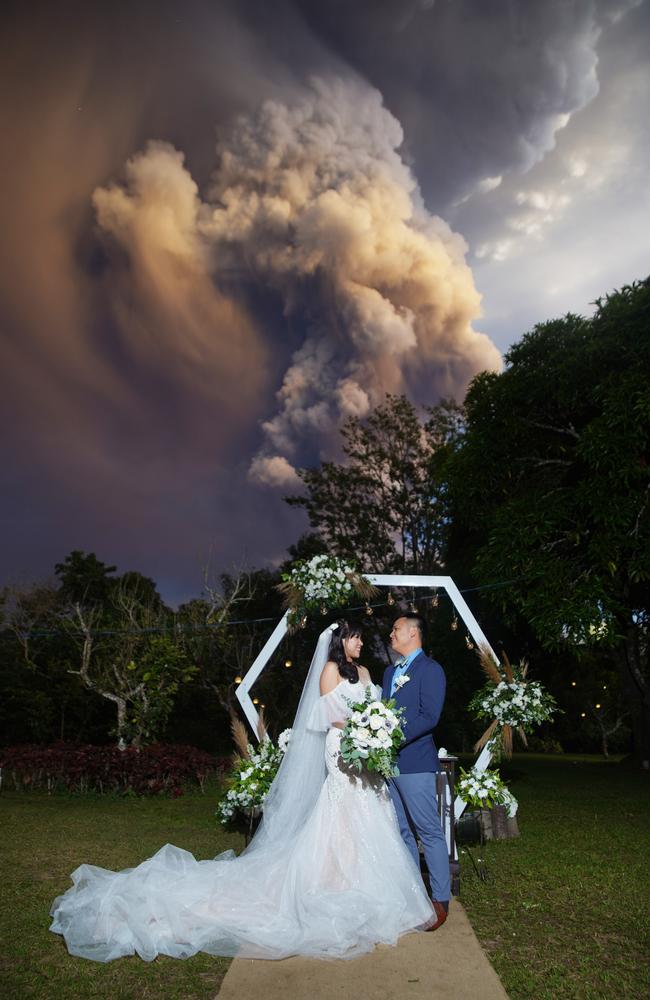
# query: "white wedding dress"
{"type": "Point", "coordinates": [332, 886]}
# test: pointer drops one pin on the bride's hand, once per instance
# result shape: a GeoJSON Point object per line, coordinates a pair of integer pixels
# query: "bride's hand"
{"type": "Point", "coordinates": [339, 725]}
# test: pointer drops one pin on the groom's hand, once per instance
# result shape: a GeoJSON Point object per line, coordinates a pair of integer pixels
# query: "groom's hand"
{"type": "Point", "coordinates": [339, 725]}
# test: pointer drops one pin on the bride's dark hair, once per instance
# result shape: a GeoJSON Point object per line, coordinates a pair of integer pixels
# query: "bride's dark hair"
{"type": "Point", "coordinates": [348, 671]}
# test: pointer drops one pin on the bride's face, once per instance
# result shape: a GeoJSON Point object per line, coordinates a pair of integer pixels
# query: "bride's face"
{"type": "Point", "coordinates": [352, 647]}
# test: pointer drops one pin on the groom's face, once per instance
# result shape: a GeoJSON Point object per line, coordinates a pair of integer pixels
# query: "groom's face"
{"type": "Point", "coordinates": [403, 636]}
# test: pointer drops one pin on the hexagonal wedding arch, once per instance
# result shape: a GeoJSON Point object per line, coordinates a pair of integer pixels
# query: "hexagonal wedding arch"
{"type": "Point", "coordinates": [379, 580]}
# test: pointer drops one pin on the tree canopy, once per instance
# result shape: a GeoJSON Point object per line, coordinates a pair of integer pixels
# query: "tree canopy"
{"type": "Point", "coordinates": [386, 504]}
{"type": "Point", "coordinates": [553, 483]}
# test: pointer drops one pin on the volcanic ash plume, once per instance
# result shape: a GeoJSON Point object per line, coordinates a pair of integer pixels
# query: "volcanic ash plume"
{"type": "Point", "coordinates": [312, 200]}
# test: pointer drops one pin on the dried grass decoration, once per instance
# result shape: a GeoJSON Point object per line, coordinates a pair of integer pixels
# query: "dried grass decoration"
{"type": "Point", "coordinates": [511, 701]}
{"type": "Point", "coordinates": [253, 770]}
{"type": "Point", "coordinates": [319, 585]}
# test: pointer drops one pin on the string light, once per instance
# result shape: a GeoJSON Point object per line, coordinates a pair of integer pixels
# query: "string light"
{"type": "Point", "coordinates": [323, 609]}
{"type": "Point", "coordinates": [583, 715]}
{"type": "Point", "coordinates": [369, 610]}
{"type": "Point", "coordinates": [599, 706]}
{"type": "Point", "coordinates": [256, 701]}
{"type": "Point", "coordinates": [288, 663]}
{"type": "Point", "coordinates": [238, 679]}
{"type": "Point", "coordinates": [454, 623]}
{"type": "Point", "coordinates": [573, 684]}
{"type": "Point", "coordinates": [412, 608]}
{"type": "Point", "coordinates": [186, 627]}
{"type": "Point", "coordinates": [468, 642]}
{"type": "Point", "coordinates": [390, 599]}
{"type": "Point", "coordinates": [435, 601]}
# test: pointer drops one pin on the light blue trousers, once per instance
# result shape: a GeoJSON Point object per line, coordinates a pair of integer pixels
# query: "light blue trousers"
{"type": "Point", "coordinates": [414, 798]}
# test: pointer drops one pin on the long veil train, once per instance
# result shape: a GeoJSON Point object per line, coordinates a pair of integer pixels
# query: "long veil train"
{"type": "Point", "coordinates": [326, 875]}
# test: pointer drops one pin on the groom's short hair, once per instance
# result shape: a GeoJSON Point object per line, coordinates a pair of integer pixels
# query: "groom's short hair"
{"type": "Point", "coordinates": [418, 622]}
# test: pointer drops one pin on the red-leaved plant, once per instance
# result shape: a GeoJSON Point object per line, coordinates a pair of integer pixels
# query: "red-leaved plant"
{"type": "Point", "coordinates": [156, 769]}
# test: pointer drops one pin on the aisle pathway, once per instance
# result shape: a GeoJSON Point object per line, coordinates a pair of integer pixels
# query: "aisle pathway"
{"type": "Point", "coordinates": [448, 964]}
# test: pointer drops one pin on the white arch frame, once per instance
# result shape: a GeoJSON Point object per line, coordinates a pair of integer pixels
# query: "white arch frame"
{"type": "Point", "coordinates": [379, 580]}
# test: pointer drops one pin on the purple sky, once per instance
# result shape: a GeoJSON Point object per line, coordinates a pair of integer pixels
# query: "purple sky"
{"type": "Point", "coordinates": [226, 227]}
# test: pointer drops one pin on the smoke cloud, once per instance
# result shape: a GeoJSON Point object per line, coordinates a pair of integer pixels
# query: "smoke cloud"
{"type": "Point", "coordinates": [179, 322]}
{"type": "Point", "coordinates": [312, 200]}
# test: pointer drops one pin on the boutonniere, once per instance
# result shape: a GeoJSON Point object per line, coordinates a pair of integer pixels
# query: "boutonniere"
{"type": "Point", "coordinates": [401, 681]}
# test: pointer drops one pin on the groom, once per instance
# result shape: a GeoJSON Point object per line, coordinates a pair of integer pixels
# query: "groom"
{"type": "Point", "coordinates": [417, 684]}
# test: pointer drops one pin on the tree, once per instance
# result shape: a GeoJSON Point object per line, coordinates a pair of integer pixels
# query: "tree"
{"type": "Point", "coordinates": [84, 578]}
{"type": "Point", "coordinates": [112, 636]}
{"type": "Point", "coordinates": [386, 506]}
{"type": "Point", "coordinates": [125, 656]}
{"type": "Point", "coordinates": [552, 482]}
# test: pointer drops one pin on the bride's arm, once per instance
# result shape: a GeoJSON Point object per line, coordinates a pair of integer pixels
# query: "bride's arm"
{"type": "Point", "coordinates": [329, 679]}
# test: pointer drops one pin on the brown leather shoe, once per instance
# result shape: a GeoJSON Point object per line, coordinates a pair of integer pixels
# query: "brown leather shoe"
{"type": "Point", "coordinates": [441, 915]}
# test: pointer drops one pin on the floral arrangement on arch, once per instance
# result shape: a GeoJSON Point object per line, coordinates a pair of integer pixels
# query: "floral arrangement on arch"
{"type": "Point", "coordinates": [252, 773]}
{"type": "Point", "coordinates": [320, 584]}
{"type": "Point", "coordinates": [511, 701]}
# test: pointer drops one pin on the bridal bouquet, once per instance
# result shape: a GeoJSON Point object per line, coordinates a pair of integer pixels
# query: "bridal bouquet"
{"type": "Point", "coordinates": [372, 736]}
{"type": "Point", "coordinates": [319, 584]}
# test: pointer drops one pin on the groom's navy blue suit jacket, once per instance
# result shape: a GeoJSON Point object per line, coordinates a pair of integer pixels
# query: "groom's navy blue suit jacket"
{"type": "Point", "coordinates": [422, 698]}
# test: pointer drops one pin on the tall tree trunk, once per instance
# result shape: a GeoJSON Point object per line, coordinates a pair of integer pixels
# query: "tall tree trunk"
{"type": "Point", "coordinates": [632, 668]}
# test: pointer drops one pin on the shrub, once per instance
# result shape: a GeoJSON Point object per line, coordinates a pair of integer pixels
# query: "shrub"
{"type": "Point", "coordinates": [156, 769]}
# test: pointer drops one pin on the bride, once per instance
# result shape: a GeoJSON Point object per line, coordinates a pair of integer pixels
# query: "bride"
{"type": "Point", "coordinates": [326, 875]}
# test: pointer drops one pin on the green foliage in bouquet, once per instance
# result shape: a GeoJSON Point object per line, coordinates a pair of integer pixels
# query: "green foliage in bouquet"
{"type": "Point", "coordinates": [372, 736]}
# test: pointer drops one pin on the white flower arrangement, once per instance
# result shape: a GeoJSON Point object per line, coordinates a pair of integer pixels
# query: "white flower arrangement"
{"type": "Point", "coordinates": [402, 680]}
{"type": "Point", "coordinates": [520, 704]}
{"type": "Point", "coordinates": [251, 777]}
{"type": "Point", "coordinates": [372, 736]}
{"type": "Point", "coordinates": [511, 701]}
{"type": "Point", "coordinates": [320, 583]}
{"type": "Point", "coordinates": [483, 789]}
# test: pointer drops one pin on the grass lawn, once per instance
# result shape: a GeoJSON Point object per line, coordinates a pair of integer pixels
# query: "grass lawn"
{"type": "Point", "coordinates": [566, 912]}
{"type": "Point", "coordinates": [564, 916]}
{"type": "Point", "coordinates": [43, 840]}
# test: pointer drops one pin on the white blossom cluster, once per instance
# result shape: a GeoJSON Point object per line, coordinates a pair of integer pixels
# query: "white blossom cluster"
{"type": "Point", "coordinates": [520, 703]}
{"type": "Point", "coordinates": [482, 789]}
{"type": "Point", "coordinates": [372, 736]}
{"type": "Point", "coordinates": [322, 580]}
{"type": "Point", "coordinates": [252, 776]}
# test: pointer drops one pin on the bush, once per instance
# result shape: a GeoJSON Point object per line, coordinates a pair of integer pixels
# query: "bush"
{"type": "Point", "coordinates": [544, 744]}
{"type": "Point", "coordinates": [152, 770]}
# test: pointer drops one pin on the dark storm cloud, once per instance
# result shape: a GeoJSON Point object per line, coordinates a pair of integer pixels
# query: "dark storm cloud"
{"type": "Point", "coordinates": [480, 88]}
{"type": "Point", "coordinates": [182, 286]}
